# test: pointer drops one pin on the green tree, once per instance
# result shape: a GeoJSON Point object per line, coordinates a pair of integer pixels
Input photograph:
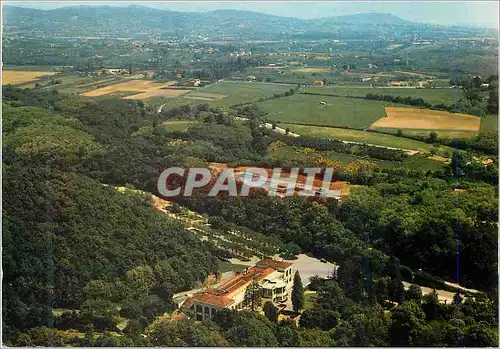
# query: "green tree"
{"type": "Point", "coordinates": [408, 320]}
{"type": "Point", "coordinates": [271, 311]}
{"type": "Point", "coordinates": [433, 137]}
{"type": "Point", "coordinates": [382, 289]}
{"type": "Point", "coordinates": [287, 334]}
{"type": "Point", "coordinates": [480, 335]}
{"type": "Point", "coordinates": [297, 293]}
{"type": "Point", "coordinates": [253, 295]}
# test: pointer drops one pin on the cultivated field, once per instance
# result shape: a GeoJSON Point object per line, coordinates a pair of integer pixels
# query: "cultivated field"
{"type": "Point", "coordinates": [312, 70]}
{"type": "Point", "coordinates": [145, 89]}
{"type": "Point", "coordinates": [432, 96]}
{"type": "Point", "coordinates": [413, 118]}
{"type": "Point", "coordinates": [243, 92]}
{"type": "Point", "coordinates": [342, 134]}
{"type": "Point", "coordinates": [19, 76]}
{"type": "Point", "coordinates": [224, 93]}
{"type": "Point", "coordinates": [161, 92]}
{"type": "Point", "coordinates": [324, 110]}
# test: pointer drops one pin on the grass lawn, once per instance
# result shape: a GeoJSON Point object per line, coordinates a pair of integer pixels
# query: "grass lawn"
{"type": "Point", "coordinates": [431, 95]}
{"type": "Point", "coordinates": [359, 136]}
{"type": "Point", "coordinates": [310, 299]}
{"type": "Point", "coordinates": [337, 111]}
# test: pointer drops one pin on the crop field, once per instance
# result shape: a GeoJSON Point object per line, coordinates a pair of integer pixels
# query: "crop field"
{"type": "Point", "coordinates": [324, 111]}
{"type": "Point", "coordinates": [342, 134]}
{"type": "Point", "coordinates": [413, 118]}
{"type": "Point", "coordinates": [155, 92]}
{"type": "Point", "coordinates": [312, 70]}
{"type": "Point", "coordinates": [19, 76]}
{"type": "Point", "coordinates": [243, 92]}
{"type": "Point", "coordinates": [224, 93]}
{"type": "Point", "coordinates": [430, 95]}
{"type": "Point", "coordinates": [144, 88]}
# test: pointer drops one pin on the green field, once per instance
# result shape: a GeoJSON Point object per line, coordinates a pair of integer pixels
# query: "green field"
{"type": "Point", "coordinates": [177, 125]}
{"type": "Point", "coordinates": [338, 111]}
{"type": "Point", "coordinates": [415, 162]}
{"type": "Point", "coordinates": [235, 92]}
{"type": "Point", "coordinates": [288, 154]}
{"type": "Point", "coordinates": [48, 68]}
{"type": "Point", "coordinates": [432, 96]}
{"type": "Point", "coordinates": [75, 84]}
{"type": "Point", "coordinates": [360, 136]}
{"type": "Point", "coordinates": [489, 124]}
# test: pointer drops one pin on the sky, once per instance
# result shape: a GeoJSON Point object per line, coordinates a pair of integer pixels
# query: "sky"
{"type": "Point", "coordinates": [479, 13]}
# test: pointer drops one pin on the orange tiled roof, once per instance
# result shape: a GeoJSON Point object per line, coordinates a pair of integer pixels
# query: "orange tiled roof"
{"type": "Point", "coordinates": [221, 296]}
{"type": "Point", "coordinates": [210, 298]}
{"type": "Point", "coordinates": [268, 262]}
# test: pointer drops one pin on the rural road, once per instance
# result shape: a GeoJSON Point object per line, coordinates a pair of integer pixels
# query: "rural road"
{"type": "Point", "coordinates": [279, 130]}
{"type": "Point", "coordinates": [161, 107]}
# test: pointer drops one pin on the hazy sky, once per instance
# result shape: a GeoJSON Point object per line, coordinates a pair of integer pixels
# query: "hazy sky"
{"type": "Point", "coordinates": [483, 13]}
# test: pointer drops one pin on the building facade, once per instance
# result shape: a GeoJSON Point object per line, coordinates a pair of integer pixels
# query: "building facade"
{"type": "Point", "coordinates": [273, 276]}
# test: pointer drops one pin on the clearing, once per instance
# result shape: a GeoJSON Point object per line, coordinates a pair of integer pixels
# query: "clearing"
{"type": "Point", "coordinates": [414, 118]}
{"type": "Point", "coordinates": [19, 76]}
{"type": "Point", "coordinates": [177, 126]}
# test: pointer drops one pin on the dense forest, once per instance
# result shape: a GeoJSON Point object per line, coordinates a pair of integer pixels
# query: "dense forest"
{"type": "Point", "coordinates": [74, 243]}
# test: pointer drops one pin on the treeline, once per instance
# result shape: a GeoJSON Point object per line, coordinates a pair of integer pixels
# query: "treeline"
{"type": "Point", "coordinates": [348, 148]}
{"type": "Point", "coordinates": [417, 102]}
{"type": "Point", "coordinates": [334, 319]}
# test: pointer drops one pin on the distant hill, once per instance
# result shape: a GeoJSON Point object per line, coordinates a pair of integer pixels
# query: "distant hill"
{"type": "Point", "coordinates": [134, 20]}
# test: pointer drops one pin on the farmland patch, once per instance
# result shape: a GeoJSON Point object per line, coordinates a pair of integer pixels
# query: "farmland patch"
{"type": "Point", "coordinates": [324, 110]}
{"type": "Point", "coordinates": [413, 118]}
{"type": "Point", "coordinates": [144, 88]}
{"type": "Point", "coordinates": [18, 76]}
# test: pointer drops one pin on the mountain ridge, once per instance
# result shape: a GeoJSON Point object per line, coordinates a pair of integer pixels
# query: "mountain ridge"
{"type": "Point", "coordinates": [136, 20]}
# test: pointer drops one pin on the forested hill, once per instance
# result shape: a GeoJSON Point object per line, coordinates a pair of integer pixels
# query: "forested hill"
{"type": "Point", "coordinates": [86, 265]}
{"type": "Point", "coordinates": [139, 21]}
{"type": "Point", "coordinates": [71, 242]}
